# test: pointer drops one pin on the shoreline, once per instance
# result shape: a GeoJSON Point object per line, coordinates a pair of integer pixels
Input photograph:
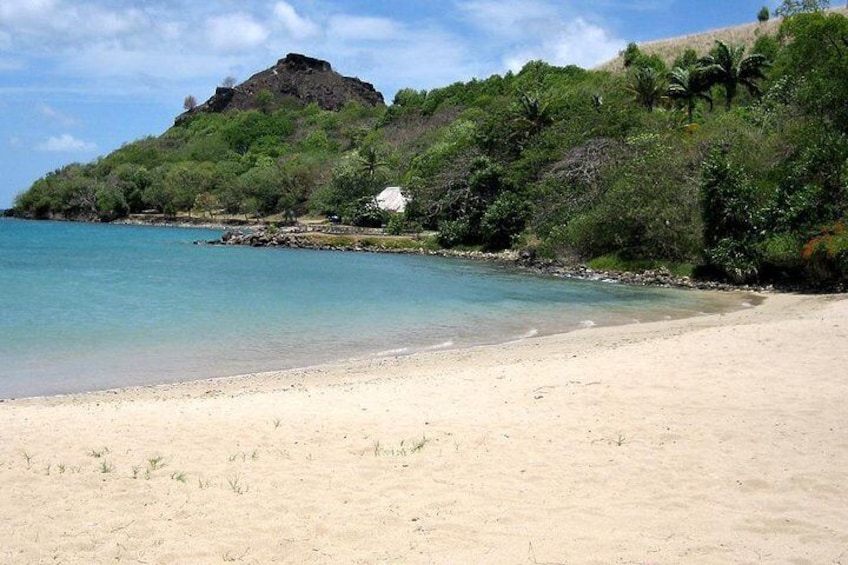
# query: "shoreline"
{"type": "Point", "coordinates": [701, 440]}
{"type": "Point", "coordinates": [255, 234]}
{"type": "Point", "coordinates": [524, 260]}
{"type": "Point", "coordinates": [720, 305]}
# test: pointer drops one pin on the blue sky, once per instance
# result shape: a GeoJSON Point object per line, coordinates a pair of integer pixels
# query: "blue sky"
{"type": "Point", "coordinates": [80, 77]}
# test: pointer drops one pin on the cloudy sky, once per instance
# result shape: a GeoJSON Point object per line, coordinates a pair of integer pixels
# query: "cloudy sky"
{"type": "Point", "coordinates": [80, 77]}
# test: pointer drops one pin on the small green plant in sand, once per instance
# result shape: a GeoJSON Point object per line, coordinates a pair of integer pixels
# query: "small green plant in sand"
{"type": "Point", "coordinates": [28, 458]}
{"type": "Point", "coordinates": [277, 422]}
{"type": "Point", "coordinates": [203, 483]}
{"type": "Point", "coordinates": [402, 450]}
{"type": "Point", "coordinates": [619, 440]}
{"type": "Point", "coordinates": [243, 455]}
{"type": "Point", "coordinates": [98, 453]}
{"type": "Point", "coordinates": [106, 466]}
{"type": "Point", "coordinates": [179, 476]}
{"type": "Point", "coordinates": [156, 462]}
{"type": "Point", "coordinates": [236, 485]}
{"type": "Point", "coordinates": [135, 471]}
{"type": "Point", "coordinates": [230, 557]}
{"type": "Point", "coordinates": [61, 467]}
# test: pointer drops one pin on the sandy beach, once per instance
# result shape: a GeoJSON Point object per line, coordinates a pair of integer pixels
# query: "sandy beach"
{"type": "Point", "coordinates": [717, 439]}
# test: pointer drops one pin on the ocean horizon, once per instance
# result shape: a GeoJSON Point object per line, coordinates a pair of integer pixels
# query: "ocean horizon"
{"type": "Point", "coordinates": [99, 306]}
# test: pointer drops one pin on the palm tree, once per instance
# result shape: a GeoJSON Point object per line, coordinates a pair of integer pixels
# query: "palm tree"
{"type": "Point", "coordinates": [648, 86]}
{"type": "Point", "coordinates": [533, 113]}
{"type": "Point", "coordinates": [371, 162]}
{"type": "Point", "coordinates": [688, 86]}
{"type": "Point", "coordinates": [728, 66]}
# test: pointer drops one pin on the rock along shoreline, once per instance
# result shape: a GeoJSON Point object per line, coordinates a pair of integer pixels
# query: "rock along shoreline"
{"type": "Point", "coordinates": [526, 260]}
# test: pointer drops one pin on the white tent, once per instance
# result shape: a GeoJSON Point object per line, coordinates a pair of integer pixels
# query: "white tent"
{"type": "Point", "coordinates": [391, 200]}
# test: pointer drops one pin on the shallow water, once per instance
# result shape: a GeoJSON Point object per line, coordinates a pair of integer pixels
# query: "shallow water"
{"type": "Point", "coordinates": [91, 306]}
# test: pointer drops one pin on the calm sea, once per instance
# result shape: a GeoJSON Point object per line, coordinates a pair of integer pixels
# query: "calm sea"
{"type": "Point", "coordinates": [90, 306]}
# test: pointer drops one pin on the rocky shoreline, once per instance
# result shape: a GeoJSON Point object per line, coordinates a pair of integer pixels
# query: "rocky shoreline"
{"type": "Point", "coordinates": [523, 259]}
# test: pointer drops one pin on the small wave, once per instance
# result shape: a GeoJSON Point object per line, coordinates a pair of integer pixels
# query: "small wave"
{"type": "Point", "coordinates": [444, 345]}
{"type": "Point", "coordinates": [533, 332]}
{"type": "Point", "coordinates": [587, 324]}
{"type": "Point", "coordinates": [393, 352]}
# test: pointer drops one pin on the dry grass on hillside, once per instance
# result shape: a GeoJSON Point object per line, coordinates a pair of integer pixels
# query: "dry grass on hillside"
{"type": "Point", "coordinates": [669, 49]}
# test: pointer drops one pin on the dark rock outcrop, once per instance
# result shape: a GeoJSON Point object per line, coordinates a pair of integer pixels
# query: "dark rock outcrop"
{"type": "Point", "coordinates": [524, 259]}
{"type": "Point", "coordinates": [296, 77]}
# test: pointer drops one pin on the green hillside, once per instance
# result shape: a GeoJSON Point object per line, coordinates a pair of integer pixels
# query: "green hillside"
{"type": "Point", "coordinates": [736, 163]}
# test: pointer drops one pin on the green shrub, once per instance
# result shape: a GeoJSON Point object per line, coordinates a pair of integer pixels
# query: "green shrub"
{"type": "Point", "coordinates": [367, 214]}
{"type": "Point", "coordinates": [453, 233]}
{"type": "Point", "coordinates": [732, 218]}
{"type": "Point", "coordinates": [396, 224]}
{"type": "Point", "coordinates": [783, 251]}
{"type": "Point", "coordinates": [503, 221]}
{"type": "Point", "coordinates": [111, 203]}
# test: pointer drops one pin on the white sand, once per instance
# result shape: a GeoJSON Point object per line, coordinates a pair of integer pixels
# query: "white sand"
{"type": "Point", "coordinates": [720, 439]}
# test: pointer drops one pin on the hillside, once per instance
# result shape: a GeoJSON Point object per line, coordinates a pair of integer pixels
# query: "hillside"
{"type": "Point", "coordinates": [668, 49]}
{"type": "Point", "coordinates": [734, 168]}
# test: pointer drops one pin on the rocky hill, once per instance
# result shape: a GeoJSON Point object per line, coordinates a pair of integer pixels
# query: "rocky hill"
{"type": "Point", "coordinates": [296, 77]}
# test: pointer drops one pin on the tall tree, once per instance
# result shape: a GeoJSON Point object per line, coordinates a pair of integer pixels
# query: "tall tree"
{"type": "Point", "coordinates": [371, 162]}
{"type": "Point", "coordinates": [728, 66]}
{"type": "Point", "coordinates": [687, 86]}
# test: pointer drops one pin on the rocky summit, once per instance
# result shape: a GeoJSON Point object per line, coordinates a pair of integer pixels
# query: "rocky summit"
{"type": "Point", "coordinates": [296, 77]}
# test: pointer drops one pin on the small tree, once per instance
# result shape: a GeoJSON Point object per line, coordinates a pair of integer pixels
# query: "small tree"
{"type": "Point", "coordinates": [763, 15]}
{"type": "Point", "coordinates": [264, 100]}
{"type": "Point", "coordinates": [687, 86]}
{"type": "Point", "coordinates": [647, 86]}
{"type": "Point", "coordinates": [190, 103]}
{"type": "Point", "coordinates": [732, 218]}
{"type": "Point", "coordinates": [229, 81]}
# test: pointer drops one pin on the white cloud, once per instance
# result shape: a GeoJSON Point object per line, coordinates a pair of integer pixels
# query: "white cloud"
{"type": "Point", "coordinates": [57, 116]}
{"type": "Point", "coordinates": [17, 11]}
{"type": "Point", "coordinates": [66, 143]}
{"type": "Point", "coordinates": [579, 43]}
{"type": "Point", "coordinates": [585, 45]}
{"type": "Point", "coordinates": [235, 32]}
{"type": "Point", "coordinates": [510, 19]}
{"type": "Point", "coordinates": [50, 22]}
{"type": "Point", "coordinates": [296, 25]}
{"type": "Point", "coordinates": [422, 58]}
{"type": "Point", "coordinates": [356, 28]}
{"type": "Point", "coordinates": [540, 29]}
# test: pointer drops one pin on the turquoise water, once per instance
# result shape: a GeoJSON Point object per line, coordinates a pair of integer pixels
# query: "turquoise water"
{"type": "Point", "coordinates": [91, 306]}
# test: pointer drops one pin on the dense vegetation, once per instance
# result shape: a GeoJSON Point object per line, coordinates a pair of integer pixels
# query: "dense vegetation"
{"type": "Point", "coordinates": [735, 161]}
